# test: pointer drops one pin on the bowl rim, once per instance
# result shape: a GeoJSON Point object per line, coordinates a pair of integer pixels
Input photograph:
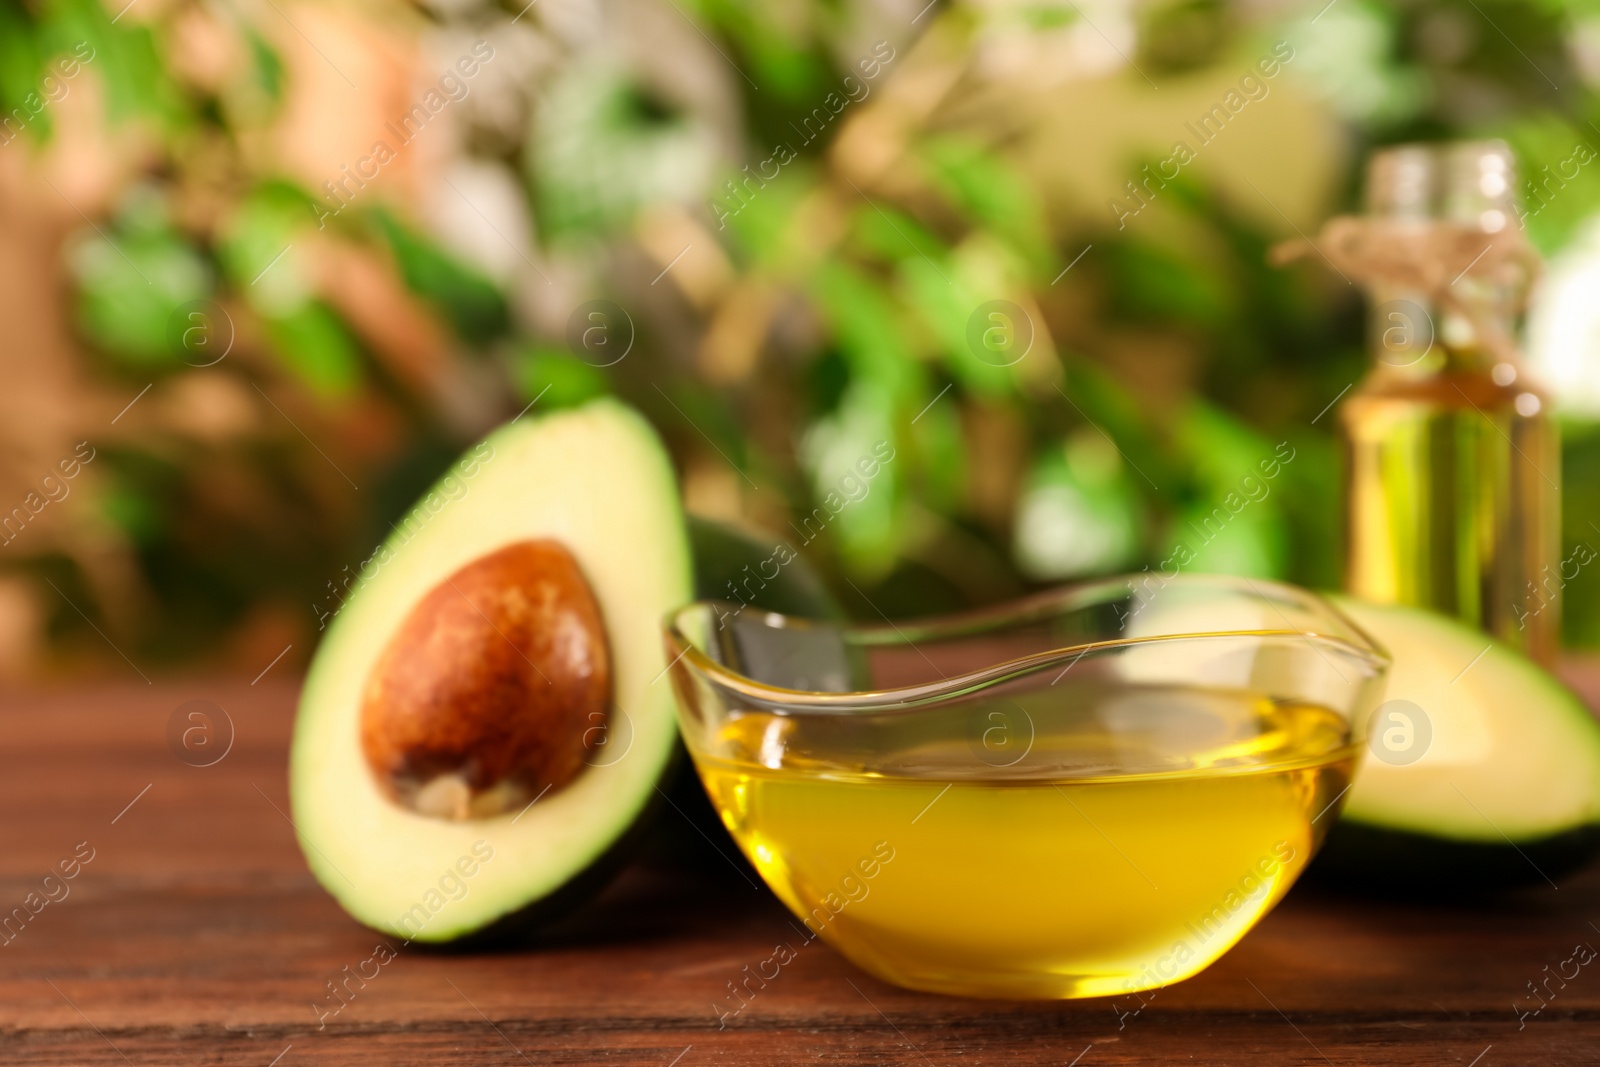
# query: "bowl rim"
{"type": "Point", "coordinates": [1356, 642]}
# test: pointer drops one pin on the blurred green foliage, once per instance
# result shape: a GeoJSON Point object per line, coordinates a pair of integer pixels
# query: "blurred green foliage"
{"type": "Point", "coordinates": [1006, 472]}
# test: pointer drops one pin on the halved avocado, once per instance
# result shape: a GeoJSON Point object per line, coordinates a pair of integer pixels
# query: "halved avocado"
{"type": "Point", "coordinates": [1483, 771]}
{"type": "Point", "coordinates": [489, 714]}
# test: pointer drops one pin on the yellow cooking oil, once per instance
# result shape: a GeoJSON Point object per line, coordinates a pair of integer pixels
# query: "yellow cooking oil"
{"type": "Point", "coordinates": [1107, 851]}
{"type": "Point", "coordinates": [1453, 483]}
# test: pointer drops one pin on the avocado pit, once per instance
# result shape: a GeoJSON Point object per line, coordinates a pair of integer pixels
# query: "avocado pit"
{"type": "Point", "coordinates": [495, 688]}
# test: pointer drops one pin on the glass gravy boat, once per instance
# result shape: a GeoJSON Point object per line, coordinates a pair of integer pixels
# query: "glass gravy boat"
{"type": "Point", "coordinates": [1089, 792]}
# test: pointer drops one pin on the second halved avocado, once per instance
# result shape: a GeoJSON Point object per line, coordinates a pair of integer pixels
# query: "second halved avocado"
{"type": "Point", "coordinates": [1484, 770]}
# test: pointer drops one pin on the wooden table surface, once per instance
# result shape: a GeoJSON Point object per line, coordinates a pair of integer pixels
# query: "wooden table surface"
{"type": "Point", "coordinates": [195, 935]}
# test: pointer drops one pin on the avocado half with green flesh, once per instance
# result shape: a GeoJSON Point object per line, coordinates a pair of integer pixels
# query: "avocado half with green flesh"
{"type": "Point", "coordinates": [1482, 773]}
{"type": "Point", "coordinates": [488, 714]}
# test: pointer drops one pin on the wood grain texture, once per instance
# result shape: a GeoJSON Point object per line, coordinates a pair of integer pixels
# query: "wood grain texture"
{"type": "Point", "coordinates": [196, 936]}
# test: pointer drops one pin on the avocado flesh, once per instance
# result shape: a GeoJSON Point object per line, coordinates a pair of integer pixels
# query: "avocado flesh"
{"type": "Point", "coordinates": [596, 480]}
{"type": "Point", "coordinates": [1507, 792]}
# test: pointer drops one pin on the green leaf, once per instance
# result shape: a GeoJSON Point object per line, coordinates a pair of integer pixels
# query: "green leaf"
{"type": "Point", "coordinates": [254, 247]}
{"type": "Point", "coordinates": [315, 344]}
{"type": "Point", "coordinates": [268, 67]}
{"type": "Point", "coordinates": [474, 307]}
{"type": "Point", "coordinates": [708, 416]}
{"type": "Point", "coordinates": [992, 194]}
{"type": "Point", "coordinates": [948, 306]}
{"type": "Point", "coordinates": [131, 282]}
{"type": "Point", "coordinates": [766, 48]}
{"type": "Point", "coordinates": [855, 479]}
{"type": "Point", "coordinates": [550, 378]}
{"type": "Point", "coordinates": [1078, 512]}
{"type": "Point", "coordinates": [1091, 395]}
{"type": "Point", "coordinates": [125, 59]}
{"type": "Point", "coordinates": [1235, 524]}
{"type": "Point", "coordinates": [936, 450]}
{"type": "Point", "coordinates": [1220, 447]}
{"type": "Point", "coordinates": [889, 233]}
{"type": "Point", "coordinates": [605, 147]}
{"type": "Point", "coordinates": [1559, 163]}
{"type": "Point", "coordinates": [135, 513]}
{"type": "Point", "coordinates": [758, 217]}
{"type": "Point", "coordinates": [1250, 542]}
{"type": "Point", "coordinates": [866, 325]}
{"type": "Point", "coordinates": [257, 251]}
{"type": "Point", "coordinates": [20, 68]}
{"type": "Point", "coordinates": [1153, 283]}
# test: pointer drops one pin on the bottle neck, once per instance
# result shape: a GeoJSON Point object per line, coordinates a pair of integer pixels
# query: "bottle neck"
{"type": "Point", "coordinates": [1411, 335]}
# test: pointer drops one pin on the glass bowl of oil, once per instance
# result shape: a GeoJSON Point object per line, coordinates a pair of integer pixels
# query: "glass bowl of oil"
{"type": "Point", "coordinates": [1093, 791]}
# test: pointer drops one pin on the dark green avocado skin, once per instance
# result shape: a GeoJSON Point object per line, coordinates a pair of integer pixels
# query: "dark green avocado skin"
{"type": "Point", "coordinates": [692, 831]}
{"type": "Point", "coordinates": [728, 565]}
{"type": "Point", "coordinates": [1385, 862]}
{"type": "Point", "coordinates": [524, 925]}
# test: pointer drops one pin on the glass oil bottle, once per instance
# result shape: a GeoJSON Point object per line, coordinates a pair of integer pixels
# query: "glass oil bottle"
{"type": "Point", "coordinates": [1453, 466]}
